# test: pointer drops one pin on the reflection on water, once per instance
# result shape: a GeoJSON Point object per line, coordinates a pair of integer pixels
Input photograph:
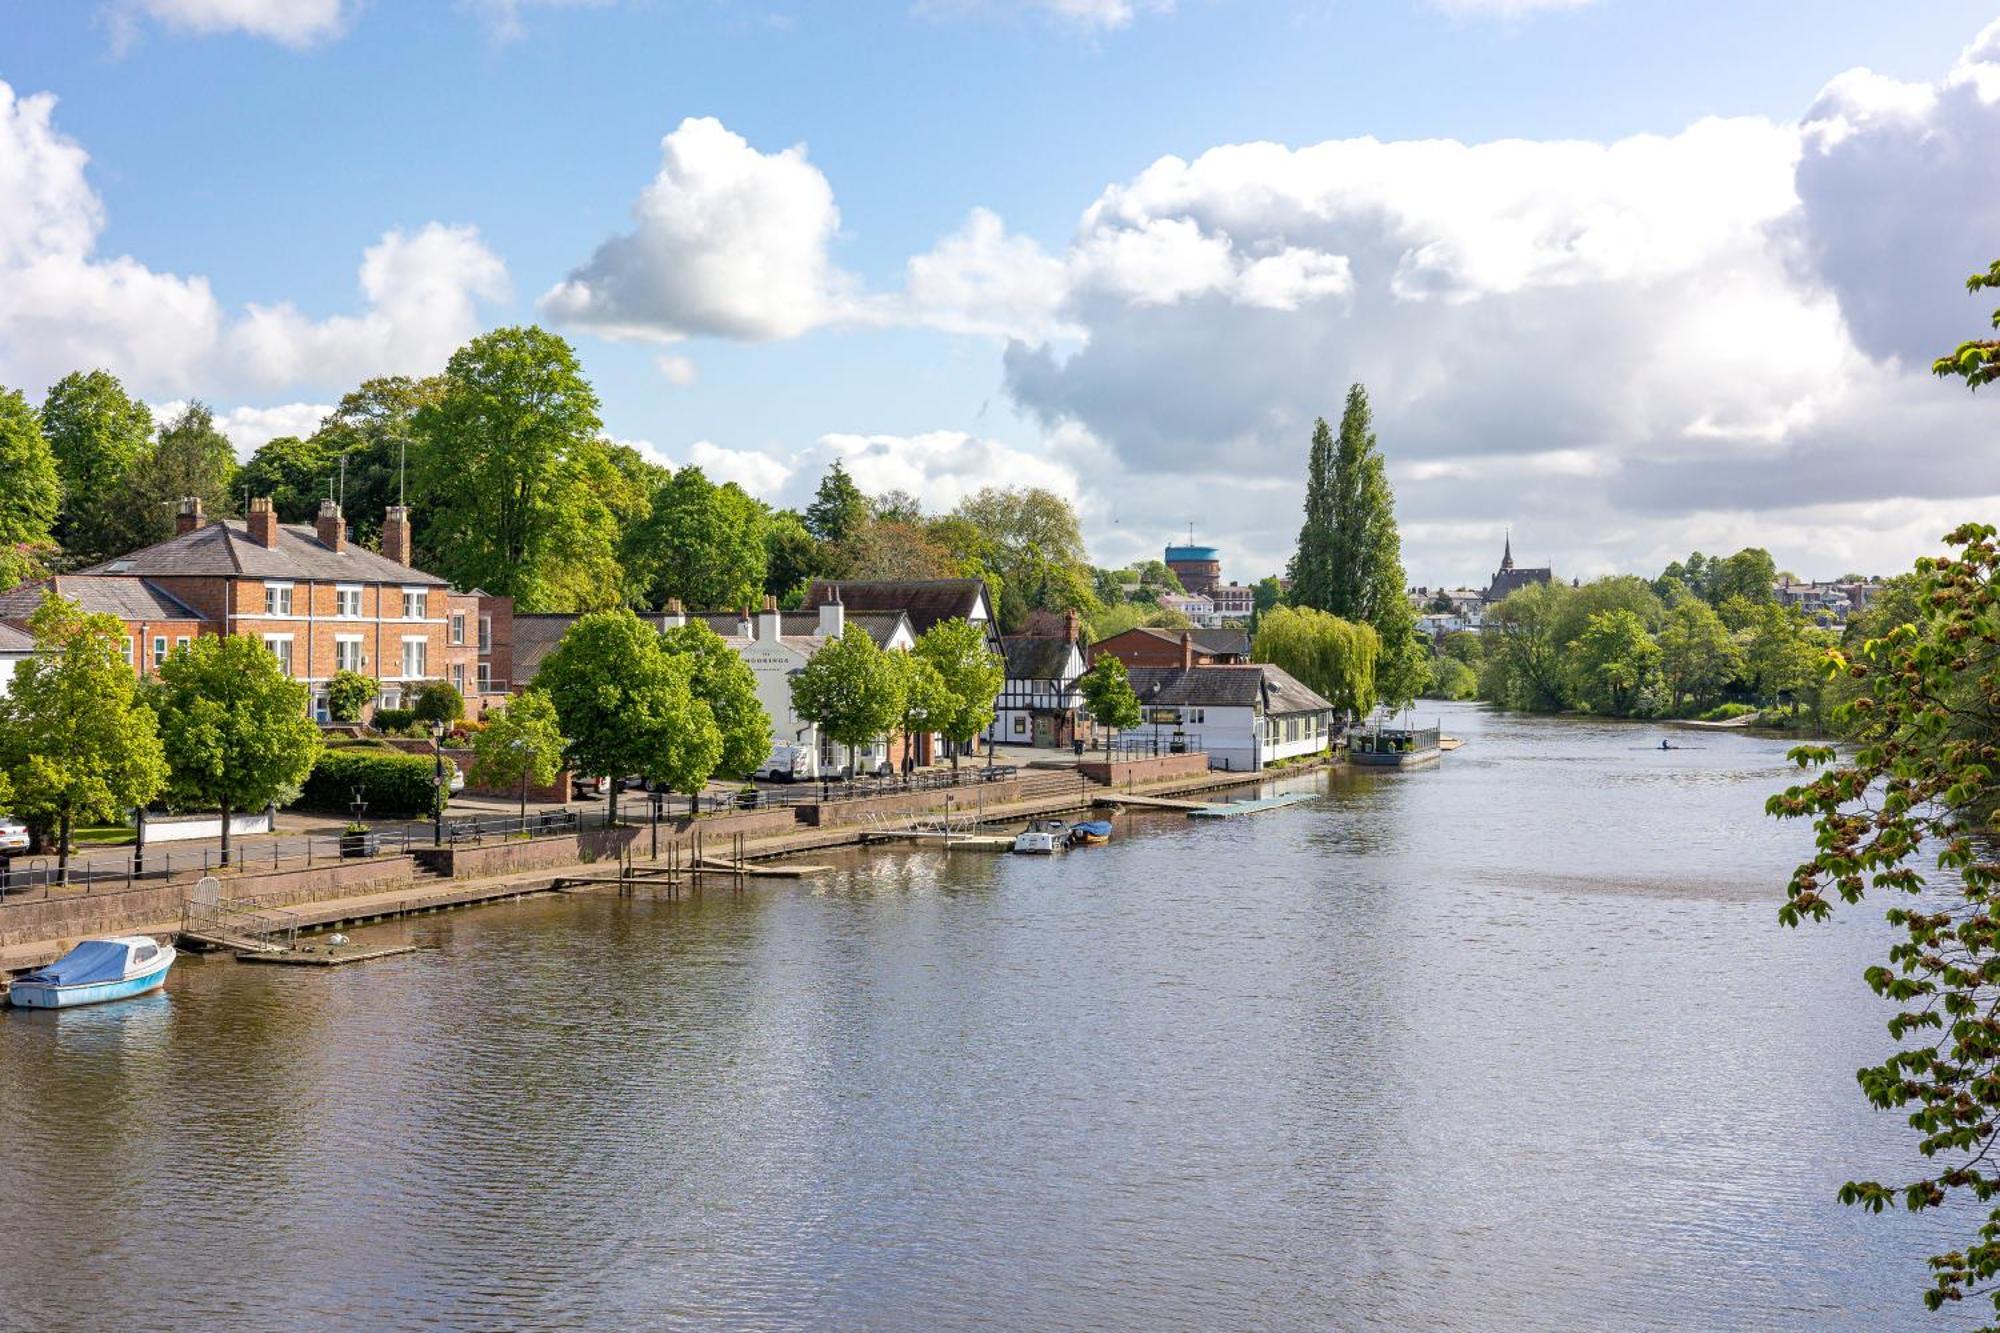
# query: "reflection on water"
{"type": "Point", "coordinates": [1512, 1043]}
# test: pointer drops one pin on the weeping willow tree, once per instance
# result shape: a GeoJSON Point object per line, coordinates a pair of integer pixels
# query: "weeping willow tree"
{"type": "Point", "coordinates": [1332, 656]}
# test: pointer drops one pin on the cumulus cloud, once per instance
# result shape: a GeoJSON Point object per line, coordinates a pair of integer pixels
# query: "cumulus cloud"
{"type": "Point", "coordinates": [677, 370]}
{"type": "Point", "coordinates": [295, 23]}
{"type": "Point", "coordinates": [251, 428]}
{"type": "Point", "coordinates": [63, 305]}
{"type": "Point", "coordinates": [727, 241]}
{"type": "Point", "coordinates": [1621, 339]}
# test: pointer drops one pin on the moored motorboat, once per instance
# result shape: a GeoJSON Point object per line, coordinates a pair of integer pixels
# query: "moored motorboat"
{"type": "Point", "coordinates": [96, 971]}
{"type": "Point", "coordinates": [1044, 837]}
{"type": "Point", "coordinates": [1090, 833]}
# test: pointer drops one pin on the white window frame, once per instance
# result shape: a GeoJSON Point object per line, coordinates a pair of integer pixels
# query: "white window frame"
{"type": "Point", "coordinates": [485, 677]}
{"type": "Point", "coordinates": [272, 642]}
{"type": "Point", "coordinates": [347, 601]}
{"type": "Point", "coordinates": [342, 642]}
{"type": "Point", "coordinates": [458, 629]}
{"type": "Point", "coordinates": [180, 642]}
{"type": "Point", "coordinates": [159, 650]}
{"type": "Point", "coordinates": [486, 634]}
{"type": "Point", "coordinates": [458, 676]}
{"type": "Point", "coordinates": [126, 645]}
{"type": "Point", "coordinates": [278, 599]}
{"type": "Point", "coordinates": [422, 599]}
{"type": "Point", "coordinates": [422, 642]}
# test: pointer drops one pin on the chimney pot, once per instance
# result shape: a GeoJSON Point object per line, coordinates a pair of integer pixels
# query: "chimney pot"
{"type": "Point", "coordinates": [396, 533]}
{"type": "Point", "coordinates": [189, 517]}
{"type": "Point", "coordinates": [770, 624]}
{"type": "Point", "coordinates": [331, 526]}
{"type": "Point", "coordinates": [263, 522]}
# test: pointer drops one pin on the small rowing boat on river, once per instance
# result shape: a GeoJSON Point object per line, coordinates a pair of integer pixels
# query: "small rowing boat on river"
{"type": "Point", "coordinates": [96, 971]}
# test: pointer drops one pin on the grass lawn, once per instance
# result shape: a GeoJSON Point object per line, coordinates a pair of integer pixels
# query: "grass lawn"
{"type": "Point", "coordinates": [103, 835]}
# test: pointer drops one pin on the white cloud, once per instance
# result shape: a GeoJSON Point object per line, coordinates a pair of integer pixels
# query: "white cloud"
{"type": "Point", "coordinates": [251, 428]}
{"type": "Point", "coordinates": [295, 23]}
{"type": "Point", "coordinates": [64, 306]}
{"type": "Point", "coordinates": [759, 473]}
{"type": "Point", "coordinates": [982, 280]}
{"type": "Point", "coordinates": [678, 370]}
{"type": "Point", "coordinates": [729, 241]}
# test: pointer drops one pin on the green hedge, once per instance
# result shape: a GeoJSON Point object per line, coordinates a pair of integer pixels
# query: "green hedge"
{"type": "Point", "coordinates": [394, 721]}
{"type": "Point", "coordinates": [392, 784]}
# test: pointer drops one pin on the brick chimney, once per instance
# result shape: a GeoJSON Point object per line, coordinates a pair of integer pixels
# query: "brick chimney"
{"type": "Point", "coordinates": [189, 517]}
{"type": "Point", "coordinates": [1187, 650]}
{"type": "Point", "coordinates": [1073, 625]}
{"type": "Point", "coordinates": [263, 522]}
{"type": "Point", "coordinates": [332, 527]}
{"type": "Point", "coordinates": [396, 533]}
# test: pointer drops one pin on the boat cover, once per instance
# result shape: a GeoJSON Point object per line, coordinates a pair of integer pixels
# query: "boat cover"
{"type": "Point", "coordinates": [1097, 828]}
{"type": "Point", "coordinates": [89, 962]}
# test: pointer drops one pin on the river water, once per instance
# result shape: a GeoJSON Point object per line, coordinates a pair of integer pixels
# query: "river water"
{"type": "Point", "coordinates": [1514, 1043]}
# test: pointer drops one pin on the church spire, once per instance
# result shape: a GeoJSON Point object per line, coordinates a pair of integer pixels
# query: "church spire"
{"type": "Point", "coordinates": [1507, 551]}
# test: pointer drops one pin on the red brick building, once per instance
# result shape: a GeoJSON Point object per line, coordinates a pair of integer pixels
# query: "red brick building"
{"type": "Point", "coordinates": [319, 602]}
{"type": "Point", "coordinates": [1147, 646]}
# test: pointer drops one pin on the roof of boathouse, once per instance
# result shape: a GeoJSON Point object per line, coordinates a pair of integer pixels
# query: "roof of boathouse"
{"type": "Point", "coordinates": [1256, 685]}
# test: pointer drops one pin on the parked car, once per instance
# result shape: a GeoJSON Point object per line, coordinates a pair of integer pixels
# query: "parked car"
{"type": "Point", "coordinates": [13, 836]}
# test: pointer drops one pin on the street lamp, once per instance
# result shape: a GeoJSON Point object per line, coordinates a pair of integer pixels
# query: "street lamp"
{"type": "Point", "coordinates": [437, 783]}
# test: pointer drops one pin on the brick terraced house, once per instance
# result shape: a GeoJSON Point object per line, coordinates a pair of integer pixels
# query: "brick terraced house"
{"type": "Point", "coordinates": [319, 602]}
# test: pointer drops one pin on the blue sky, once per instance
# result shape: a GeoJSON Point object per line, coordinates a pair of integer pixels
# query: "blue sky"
{"type": "Point", "coordinates": [261, 147]}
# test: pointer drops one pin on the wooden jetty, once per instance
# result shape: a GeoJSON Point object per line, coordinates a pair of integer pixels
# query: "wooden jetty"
{"type": "Point", "coordinates": [332, 955]}
{"type": "Point", "coordinates": [1228, 809]}
{"type": "Point", "coordinates": [1150, 802]}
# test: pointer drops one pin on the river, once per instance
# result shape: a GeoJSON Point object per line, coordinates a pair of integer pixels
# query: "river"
{"type": "Point", "coordinates": [1513, 1043]}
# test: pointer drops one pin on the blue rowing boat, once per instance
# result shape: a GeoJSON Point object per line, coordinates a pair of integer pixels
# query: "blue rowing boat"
{"type": "Point", "coordinates": [96, 971]}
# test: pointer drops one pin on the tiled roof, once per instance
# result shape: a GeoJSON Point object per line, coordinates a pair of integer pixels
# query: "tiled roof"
{"type": "Point", "coordinates": [1275, 689]}
{"type": "Point", "coordinates": [535, 637]}
{"type": "Point", "coordinates": [804, 625]}
{"type": "Point", "coordinates": [15, 641]}
{"type": "Point", "coordinates": [1032, 658]}
{"type": "Point", "coordinates": [924, 601]}
{"type": "Point", "coordinates": [1216, 642]}
{"type": "Point", "coordinates": [122, 596]}
{"type": "Point", "coordinates": [225, 549]}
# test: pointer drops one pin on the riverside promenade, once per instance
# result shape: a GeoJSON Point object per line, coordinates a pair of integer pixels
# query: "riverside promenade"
{"type": "Point", "coordinates": [438, 879]}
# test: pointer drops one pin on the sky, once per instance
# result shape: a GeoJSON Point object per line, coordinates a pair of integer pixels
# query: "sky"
{"type": "Point", "coordinates": [1623, 277]}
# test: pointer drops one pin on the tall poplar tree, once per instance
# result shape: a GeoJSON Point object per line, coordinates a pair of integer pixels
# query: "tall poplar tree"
{"type": "Point", "coordinates": [29, 490]}
{"type": "Point", "coordinates": [1350, 556]}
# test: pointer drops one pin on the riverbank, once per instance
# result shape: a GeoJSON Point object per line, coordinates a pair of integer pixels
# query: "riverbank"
{"type": "Point", "coordinates": [432, 880]}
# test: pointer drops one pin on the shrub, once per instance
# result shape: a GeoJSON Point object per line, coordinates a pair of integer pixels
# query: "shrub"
{"type": "Point", "coordinates": [394, 721]}
{"type": "Point", "coordinates": [391, 783]}
{"type": "Point", "coordinates": [347, 694]}
{"type": "Point", "coordinates": [438, 701]}
{"type": "Point", "coordinates": [1723, 712]}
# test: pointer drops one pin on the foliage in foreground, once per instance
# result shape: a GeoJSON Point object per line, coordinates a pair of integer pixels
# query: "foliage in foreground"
{"type": "Point", "coordinates": [1920, 781]}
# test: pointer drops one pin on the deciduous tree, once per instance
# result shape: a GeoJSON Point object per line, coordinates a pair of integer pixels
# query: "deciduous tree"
{"type": "Point", "coordinates": [438, 703]}
{"type": "Point", "coordinates": [628, 706]}
{"type": "Point", "coordinates": [76, 742]}
{"type": "Point", "coordinates": [1976, 361]}
{"type": "Point", "coordinates": [1698, 657]}
{"type": "Point", "coordinates": [347, 694]}
{"type": "Point", "coordinates": [1334, 657]}
{"type": "Point", "coordinates": [926, 702]}
{"type": "Point", "coordinates": [503, 482]}
{"type": "Point", "coordinates": [850, 690]}
{"type": "Point", "coordinates": [1614, 663]}
{"type": "Point", "coordinates": [1108, 696]}
{"type": "Point", "coordinates": [520, 745]}
{"type": "Point", "coordinates": [98, 433]}
{"type": "Point", "coordinates": [702, 543]}
{"type": "Point", "coordinates": [720, 677]}
{"type": "Point", "coordinates": [190, 458]}
{"type": "Point", "coordinates": [30, 491]}
{"type": "Point", "coordinates": [234, 726]}
{"type": "Point", "coordinates": [366, 439]}
{"type": "Point", "coordinates": [971, 675]}
{"type": "Point", "coordinates": [296, 474]}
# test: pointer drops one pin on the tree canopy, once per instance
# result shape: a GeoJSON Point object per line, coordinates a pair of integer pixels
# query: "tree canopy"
{"type": "Point", "coordinates": [720, 677]}
{"type": "Point", "coordinates": [521, 745]}
{"type": "Point", "coordinates": [503, 482]}
{"type": "Point", "coordinates": [1976, 361]}
{"type": "Point", "coordinates": [235, 728]}
{"type": "Point", "coordinates": [1107, 694]}
{"type": "Point", "coordinates": [702, 543]}
{"type": "Point", "coordinates": [31, 493]}
{"type": "Point", "coordinates": [839, 509]}
{"type": "Point", "coordinates": [98, 433]}
{"type": "Point", "coordinates": [294, 473]}
{"type": "Point", "coordinates": [191, 457]}
{"type": "Point", "coordinates": [850, 689]}
{"type": "Point", "coordinates": [1331, 656]}
{"type": "Point", "coordinates": [969, 675]}
{"type": "Point", "coordinates": [76, 742]}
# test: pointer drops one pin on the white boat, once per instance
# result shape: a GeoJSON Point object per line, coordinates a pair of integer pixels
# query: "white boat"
{"type": "Point", "coordinates": [1044, 837]}
{"type": "Point", "coordinates": [96, 971]}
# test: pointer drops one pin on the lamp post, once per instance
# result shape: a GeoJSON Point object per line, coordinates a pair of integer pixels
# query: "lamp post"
{"type": "Point", "coordinates": [437, 784]}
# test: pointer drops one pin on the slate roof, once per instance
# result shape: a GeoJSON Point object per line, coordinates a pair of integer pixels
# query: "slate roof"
{"type": "Point", "coordinates": [119, 595]}
{"type": "Point", "coordinates": [924, 601]}
{"type": "Point", "coordinates": [15, 641]}
{"type": "Point", "coordinates": [804, 625]}
{"type": "Point", "coordinates": [1035, 658]}
{"type": "Point", "coordinates": [535, 637]}
{"type": "Point", "coordinates": [225, 549]}
{"type": "Point", "coordinates": [1259, 685]}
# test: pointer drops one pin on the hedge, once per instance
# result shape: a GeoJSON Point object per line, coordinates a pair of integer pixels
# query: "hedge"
{"type": "Point", "coordinates": [392, 784]}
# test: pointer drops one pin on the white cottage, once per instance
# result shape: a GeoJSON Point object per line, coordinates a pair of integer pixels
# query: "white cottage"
{"type": "Point", "coordinates": [1243, 717]}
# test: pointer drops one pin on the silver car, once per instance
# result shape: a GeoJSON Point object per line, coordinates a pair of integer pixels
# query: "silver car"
{"type": "Point", "coordinates": [13, 836]}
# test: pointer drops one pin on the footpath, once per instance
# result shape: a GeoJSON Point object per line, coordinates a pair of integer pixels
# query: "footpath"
{"type": "Point", "coordinates": [422, 887]}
